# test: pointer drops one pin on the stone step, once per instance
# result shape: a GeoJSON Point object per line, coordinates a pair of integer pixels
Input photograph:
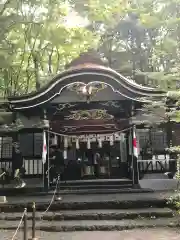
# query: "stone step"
{"type": "Point", "coordinates": [83, 202]}
{"type": "Point", "coordinates": [104, 214]}
{"type": "Point", "coordinates": [92, 225]}
{"type": "Point", "coordinates": [73, 190]}
{"type": "Point", "coordinates": [94, 186]}
{"type": "Point", "coordinates": [12, 191]}
{"type": "Point", "coordinates": [102, 191]}
{"type": "Point", "coordinates": [97, 182]}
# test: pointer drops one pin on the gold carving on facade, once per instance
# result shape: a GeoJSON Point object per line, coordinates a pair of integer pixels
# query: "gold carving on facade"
{"type": "Point", "coordinates": [94, 114]}
{"type": "Point", "coordinates": [62, 106]}
{"type": "Point", "coordinates": [114, 104]}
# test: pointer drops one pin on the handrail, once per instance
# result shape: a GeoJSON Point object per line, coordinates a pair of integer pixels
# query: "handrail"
{"type": "Point", "coordinates": [20, 223]}
{"type": "Point", "coordinates": [48, 169]}
{"type": "Point", "coordinates": [2, 174]}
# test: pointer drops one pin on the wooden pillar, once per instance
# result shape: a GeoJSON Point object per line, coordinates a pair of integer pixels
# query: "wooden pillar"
{"type": "Point", "coordinates": [134, 160]}
{"type": "Point", "coordinates": [135, 168]}
{"type": "Point", "coordinates": [172, 164]}
{"type": "Point", "coordinates": [14, 135]}
{"type": "Point", "coordinates": [129, 157]}
{"type": "Point", "coordinates": [135, 172]}
{"type": "Point", "coordinates": [14, 140]}
{"type": "Point", "coordinates": [46, 164]}
{"type": "Point", "coordinates": [169, 133]}
{"type": "Point", "coordinates": [123, 155]}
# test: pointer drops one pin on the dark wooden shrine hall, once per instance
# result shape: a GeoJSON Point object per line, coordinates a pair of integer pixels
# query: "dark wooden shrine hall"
{"type": "Point", "coordinates": [93, 117]}
{"type": "Point", "coordinates": [88, 109]}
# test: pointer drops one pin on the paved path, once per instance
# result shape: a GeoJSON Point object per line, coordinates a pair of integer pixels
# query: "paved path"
{"type": "Point", "coordinates": [148, 234]}
{"type": "Point", "coordinates": [159, 184]}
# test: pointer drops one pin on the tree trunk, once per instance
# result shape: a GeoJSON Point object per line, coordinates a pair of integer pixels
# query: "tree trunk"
{"type": "Point", "coordinates": [36, 71]}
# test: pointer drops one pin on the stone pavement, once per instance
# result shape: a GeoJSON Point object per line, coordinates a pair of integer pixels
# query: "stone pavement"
{"type": "Point", "coordinates": [139, 234]}
{"type": "Point", "coordinates": [158, 183]}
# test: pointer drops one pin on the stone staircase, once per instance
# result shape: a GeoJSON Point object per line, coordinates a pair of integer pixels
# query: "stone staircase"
{"type": "Point", "coordinates": [100, 186]}
{"type": "Point", "coordinates": [97, 184]}
{"type": "Point", "coordinates": [93, 213]}
{"type": "Point", "coordinates": [90, 220]}
{"type": "Point", "coordinates": [93, 186]}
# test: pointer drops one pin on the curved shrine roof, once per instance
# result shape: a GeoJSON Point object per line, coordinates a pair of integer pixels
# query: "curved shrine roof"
{"type": "Point", "coordinates": [85, 73]}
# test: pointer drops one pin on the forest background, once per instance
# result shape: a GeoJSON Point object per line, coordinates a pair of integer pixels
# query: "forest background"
{"type": "Point", "coordinates": [140, 39]}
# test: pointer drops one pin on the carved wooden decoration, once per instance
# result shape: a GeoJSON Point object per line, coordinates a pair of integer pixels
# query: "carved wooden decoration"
{"type": "Point", "coordinates": [93, 114]}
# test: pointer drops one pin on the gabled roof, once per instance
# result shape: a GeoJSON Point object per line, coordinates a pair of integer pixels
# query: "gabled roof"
{"type": "Point", "coordinates": [86, 71]}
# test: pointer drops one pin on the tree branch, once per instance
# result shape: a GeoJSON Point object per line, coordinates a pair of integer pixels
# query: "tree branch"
{"type": "Point", "coordinates": [4, 7]}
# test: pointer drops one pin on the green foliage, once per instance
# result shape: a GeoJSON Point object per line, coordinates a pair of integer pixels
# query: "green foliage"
{"type": "Point", "coordinates": [39, 37]}
{"type": "Point", "coordinates": [37, 44]}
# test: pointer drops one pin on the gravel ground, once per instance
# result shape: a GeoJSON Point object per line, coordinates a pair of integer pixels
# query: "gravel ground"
{"type": "Point", "coordinates": [148, 234]}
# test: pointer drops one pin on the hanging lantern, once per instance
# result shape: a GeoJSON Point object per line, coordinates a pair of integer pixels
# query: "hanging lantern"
{"type": "Point", "coordinates": [70, 142]}
{"type": "Point", "coordinates": [100, 142]}
{"type": "Point", "coordinates": [88, 143]}
{"type": "Point", "coordinates": [111, 139]}
{"type": "Point", "coordinates": [77, 143]}
{"type": "Point", "coordinates": [65, 154]}
{"type": "Point", "coordinates": [117, 136]}
{"type": "Point", "coordinates": [65, 142]}
{"type": "Point", "coordinates": [55, 140]}
{"type": "Point", "coordinates": [60, 141]}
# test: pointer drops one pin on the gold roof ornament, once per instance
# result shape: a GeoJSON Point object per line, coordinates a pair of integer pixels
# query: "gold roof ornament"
{"type": "Point", "coordinates": [87, 90]}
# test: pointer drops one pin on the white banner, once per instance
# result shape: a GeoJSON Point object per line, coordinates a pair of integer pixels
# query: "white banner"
{"type": "Point", "coordinates": [95, 138]}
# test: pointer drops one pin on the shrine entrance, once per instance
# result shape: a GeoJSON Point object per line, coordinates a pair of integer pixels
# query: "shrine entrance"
{"type": "Point", "coordinates": [93, 156]}
{"type": "Point", "coordinates": [89, 123]}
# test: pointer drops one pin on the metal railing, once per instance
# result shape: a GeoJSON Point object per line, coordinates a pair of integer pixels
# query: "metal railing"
{"type": "Point", "coordinates": [156, 165]}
